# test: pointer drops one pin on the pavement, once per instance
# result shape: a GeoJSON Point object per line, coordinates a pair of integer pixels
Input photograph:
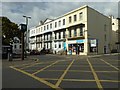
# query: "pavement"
{"type": "Point", "coordinates": [63, 72]}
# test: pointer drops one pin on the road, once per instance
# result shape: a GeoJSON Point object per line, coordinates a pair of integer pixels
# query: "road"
{"type": "Point", "coordinates": [63, 72]}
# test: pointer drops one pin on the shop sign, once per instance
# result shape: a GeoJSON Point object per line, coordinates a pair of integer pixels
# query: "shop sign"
{"type": "Point", "coordinates": [93, 43]}
{"type": "Point", "coordinates": [80, 41]}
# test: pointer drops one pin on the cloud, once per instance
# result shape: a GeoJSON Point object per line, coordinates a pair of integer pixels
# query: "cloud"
{"type": "Point", "coordinates": [42, 10]}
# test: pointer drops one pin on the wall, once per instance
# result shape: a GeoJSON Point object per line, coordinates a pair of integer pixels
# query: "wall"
{"type": "Point", "coordinates": [98, 26]}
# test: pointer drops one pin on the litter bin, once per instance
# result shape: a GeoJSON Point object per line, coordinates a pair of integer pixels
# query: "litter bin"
{"type": "Point", "coordinates": [9, 56]}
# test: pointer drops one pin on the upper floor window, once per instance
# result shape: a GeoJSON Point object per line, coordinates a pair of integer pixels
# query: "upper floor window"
{"type": "Point", "coordinates": [59, 23]}
{"type": "Point", "coordinates": [81, 31]}
{"type": "Point", "coordinates": [59, 35]}
{"type": "Point", "coordinates": [70, 19]}
{"type": "Point", "coordinates": [41, 29]}
{"type": "Point", "coordinates": [75, 17]}
{"type": "Point", "coordinates": [15, 46]}
{"type": "Point", "coordinates": [63, 34]}
{"type": "Point", "coordinates": [55, 36]}
{"type": "Point", "coordinates": [63, 21]}
{"type": "Point", "coordinates": [81, 16]}
{"type": "Point", "coordinates": [47, 27]}
{"type": "Point", "coordinates": [59, 45]}
{"type": "Point", "coordinates": [105, 37]}
{"type": "Point", "coordinates": [44, 27]}
{"type": "Point", "coordinates": [20, 46]}
{"type": "Point", "coordinates": [69, 33]}
{"type": "Point", "coordinates": [75, 32]}
{"type": "Point", "coordinates": [51, 26]}
{"type": "Point", "coordinates": [55, 24]}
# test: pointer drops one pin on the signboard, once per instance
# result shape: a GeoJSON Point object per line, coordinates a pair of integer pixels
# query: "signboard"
{"type": "Point", "coordinates": [93, 43]}
{"type": "Point", "coordinates": [80, 41]}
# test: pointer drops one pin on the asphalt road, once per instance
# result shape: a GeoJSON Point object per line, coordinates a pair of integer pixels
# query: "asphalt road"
{"type": "Point", "coordinates": [58, 71]}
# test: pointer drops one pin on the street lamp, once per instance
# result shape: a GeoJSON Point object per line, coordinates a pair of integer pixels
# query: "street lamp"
{"type": "Point", "coordinates": [26, 18]}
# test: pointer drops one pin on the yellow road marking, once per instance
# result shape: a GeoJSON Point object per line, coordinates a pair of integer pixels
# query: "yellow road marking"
{"type": "Point", "coordinates": [109, 81]}
{"type": "Point", "coordinates": [25, 64]}
{"type": "Point", "coordinates": [80, 80]}
{"type": "Point", "coordinates": [45, 68]}
{"type": "Point", "coordinates": [37, 78]}
{"type": "Point", "coordinates": [109, 64]}
{"type": "Point", "coordinates": [63, 75]}
{"type": "Point", "coordinates": [95, 76]}
{"type": "Point", "coordinates": [107, 71]}
{"type": "Point", "coordinates": [30, 65]}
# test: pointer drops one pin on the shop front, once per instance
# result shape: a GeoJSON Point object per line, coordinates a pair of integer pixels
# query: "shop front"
{"type": "Point", "coordinates": [76, 47]}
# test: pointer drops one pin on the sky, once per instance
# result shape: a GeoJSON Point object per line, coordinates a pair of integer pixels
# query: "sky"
{"type": "Point", "coordinates": [14, 9]}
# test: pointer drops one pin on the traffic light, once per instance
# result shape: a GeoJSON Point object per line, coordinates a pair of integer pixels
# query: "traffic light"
{"type": "Point", "coordinates": [23, 27]}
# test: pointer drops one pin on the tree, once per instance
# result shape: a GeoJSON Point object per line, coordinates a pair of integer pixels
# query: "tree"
{"type": "Point", "coordinates": [9, 30]}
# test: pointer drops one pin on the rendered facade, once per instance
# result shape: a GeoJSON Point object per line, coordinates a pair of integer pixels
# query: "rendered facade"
{"type": "Point", "coordinates": [82, 31]}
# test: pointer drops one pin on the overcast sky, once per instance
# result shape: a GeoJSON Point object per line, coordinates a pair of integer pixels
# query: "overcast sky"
{"type": "Point", "coordinates": [42, 10]}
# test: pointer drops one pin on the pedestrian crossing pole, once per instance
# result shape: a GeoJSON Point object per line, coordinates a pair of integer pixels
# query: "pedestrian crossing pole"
{"type": "Point", "coordinates": [23, 28]}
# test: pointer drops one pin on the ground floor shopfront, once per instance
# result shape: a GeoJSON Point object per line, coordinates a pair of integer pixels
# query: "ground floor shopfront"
{"type": "Point", "coordinates": [82, 47]}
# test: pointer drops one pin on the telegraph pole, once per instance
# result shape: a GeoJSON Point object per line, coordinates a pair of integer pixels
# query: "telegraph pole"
{"type": "Point", "coordinates": [26, 19]}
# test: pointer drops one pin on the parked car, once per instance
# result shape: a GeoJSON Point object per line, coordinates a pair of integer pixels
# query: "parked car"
{"type": "Point", "coordinates": [114, 51]}
{"type": "Point", "coordinates": [34, 52]}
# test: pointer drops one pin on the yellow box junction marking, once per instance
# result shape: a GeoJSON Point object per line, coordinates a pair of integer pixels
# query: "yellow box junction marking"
{"type": "Point", "coordinates": [45, 68]}
{"type": "Point", "coordinates": [81, 80]}
{"type": "Point", "coordinates": [63, 75]}
{"type": "Point", "coordinates": [37, 78]}
{"type": "Point", "coordinates": [95, 76]}
{"type": "Point", "coordinates": [109, 64]}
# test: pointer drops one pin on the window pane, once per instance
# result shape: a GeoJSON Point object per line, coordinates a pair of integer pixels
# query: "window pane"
{"type": "Point", "coordinates": [81, 31]}
{"type": "Point", "coordinates": [70, 19]}
{"type": "Point", "coordinates": [75, 32]}
{"type": "Point", "coordinates": [81, 16]}
{"type": "Point", "coordinates": [75, 18]}
{"type": "Point", "coordinates": [55, 24]}
{"type": "Point", "coordinates": [59, 23]}
{"type": "Point", "coordinates": [63, 21]}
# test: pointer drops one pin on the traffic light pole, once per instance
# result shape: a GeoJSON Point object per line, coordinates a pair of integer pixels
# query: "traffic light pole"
{"type": "Point", "coordinates": [22, 41]}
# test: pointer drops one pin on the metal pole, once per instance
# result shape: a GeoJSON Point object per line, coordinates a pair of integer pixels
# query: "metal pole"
{"type": "Point", "coordinates": [22, 41]}
{"type": "Point", "coordinates": [26, 44]}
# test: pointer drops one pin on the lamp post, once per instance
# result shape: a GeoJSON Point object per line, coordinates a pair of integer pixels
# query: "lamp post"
{"type": "Point", "coordinates": [26, 19]}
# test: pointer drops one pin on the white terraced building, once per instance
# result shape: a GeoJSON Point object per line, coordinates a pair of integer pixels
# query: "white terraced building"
{"type": "Point", "coordinates": [82, 31]}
